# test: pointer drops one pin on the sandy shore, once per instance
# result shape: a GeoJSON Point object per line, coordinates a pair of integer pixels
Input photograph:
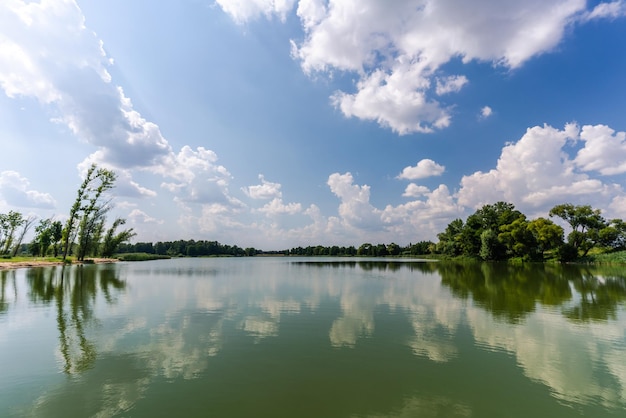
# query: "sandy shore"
{"type": "Point", "coordinates": [5, 265]}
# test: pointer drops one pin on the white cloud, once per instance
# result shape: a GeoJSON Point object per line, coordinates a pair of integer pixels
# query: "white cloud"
{"type": "Point", "coordinates": [137, 216]}
{"type": "Point", "coordinates": [15, 190]}
{"type": "Point", "coordinates": [604, 150]}
{"type": "Point", "coordinates": [485, 112]}
{"type": "Point", "coordinates": [535, 173]}
{"type": "Point", "coordinates": [451, 84]}
{"type": "Point", "coordinates": [355, 209]}
{"type": "Point", "coordinates": [413, 190]}
{"type": "Point", "coordinates": [244, 10]}
{"type": "Point", "coordinates": [46, 52]}
{"type": "Point", "coordinates": [265, 190]}
{"type": "Point", "coordinates": [424, 168]}
{"type": "Point", "coordinates": [397, 100]}
{"type": "Point", "coordinates": [277, 207]}
{"type": "Point", "coordinates": [611, 10]}
{"type": "Point", "coordinates": [422, 219]}
{"type": "Point", "coordinates": [398, 49]}
{"type": "Point", "coordinates": [197, 177]}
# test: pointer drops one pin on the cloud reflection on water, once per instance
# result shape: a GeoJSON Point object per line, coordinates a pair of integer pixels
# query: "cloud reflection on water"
{"type": "Point", "coordinates": [172, 326]}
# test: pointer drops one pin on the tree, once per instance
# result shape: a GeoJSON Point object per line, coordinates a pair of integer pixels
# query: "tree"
{"type": "Point", "coordinates": [90, 230]}
{"type": "Point", "coordinates": [69, 231]}
{"type": "Point", "coordinates": [450, 239]}
{"type": "Point", "coordinates": [88, 211]}
{"type": "Point", "coordinates": [518, 238]}
{"type": "Point", "coordinates": [492, 217]}
{"type": "Point", "coordinates": [26, 224]}
{"type": "Point", "coordinates": [43, 237]}
{"type": "Point", "coordinates": [9, 223]}
{"type": "Point", "coordinates": [489, 217]}
{"type": "Point", "coordinates": [585, 222]}
{"type": "Point", "coordinates": [489, 245]}
{"type": "Point", "coordinates": [365, 249]}
{"type": "Point", "coordinates": [393, 249]}
{"type": "Point", "coordinates": [380, 250]}
{"type": "Point", "coordinates": [547, 234]}
{"type": "Point", "coordinates": [56, 230]}
{"type": "Point", "coordinates": [87, 219]}
{"type": "Point", "coordinates": [112, 240]}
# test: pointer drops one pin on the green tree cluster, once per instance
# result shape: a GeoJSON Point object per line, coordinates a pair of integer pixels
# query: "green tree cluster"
{"type": "Point", "coordinates": [86, 223]}
{"type": "Point", "coordinates": [499, 231]}
{"type": "Point", "coordinates": [84, 231]}
{"type": "Point", "coordinates": [13, 228]}
{"type": "Point", "coordinates": [364, 250]}
{"type": "Point", "coordinates": [589, 229]}
{"type": "Point", "coordinates": [48, 236]}
{"type": "Point", "coordinates": [190, 248]}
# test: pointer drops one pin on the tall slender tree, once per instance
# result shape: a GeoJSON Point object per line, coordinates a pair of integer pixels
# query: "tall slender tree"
{"type": "Point", "coordinates": [88, 211]}
{"type": "Point", "coordinates": [26, 224]}
{"type": "Point", "coordinates": [9, 223]}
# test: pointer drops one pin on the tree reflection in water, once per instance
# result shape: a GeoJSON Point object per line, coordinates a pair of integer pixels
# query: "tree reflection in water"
{"type": "Point", "coordinates": [511, 292]}
{"type": "Point", "coordinates": [74, 291]}
{"type": "Point", "coordinates": [5, 277]}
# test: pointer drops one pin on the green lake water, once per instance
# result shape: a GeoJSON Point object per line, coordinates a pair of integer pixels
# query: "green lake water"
{"type": "Point", "coordinates": [308, 337]}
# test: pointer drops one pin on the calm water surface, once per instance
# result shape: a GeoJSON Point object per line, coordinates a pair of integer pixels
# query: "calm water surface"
{"type": "Point", "coordinates": [298, 337]}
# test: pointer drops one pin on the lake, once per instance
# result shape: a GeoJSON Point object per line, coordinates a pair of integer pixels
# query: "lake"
{"type": "Point", "coordinates": [312, 337]}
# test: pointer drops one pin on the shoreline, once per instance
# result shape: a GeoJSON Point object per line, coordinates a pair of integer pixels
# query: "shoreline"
{"type": "Point", "coordinates": [11, 265]}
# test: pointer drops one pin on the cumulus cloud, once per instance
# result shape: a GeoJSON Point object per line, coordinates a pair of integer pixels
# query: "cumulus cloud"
{"type": "Point", "coordinates": [48, 53]}
{"type": "Point", "coordinates": [604, 150]}
{"type": "Point", "coordinates": [355, 209]}
{"type": "Point", "coordinates": [424, 168]}
{"type": "Point", "coordinates": [15, 190]}
{"type": "Point", "coordinates": [485, 112]}
{"type": "Point", "coordinates": [451, 84]}
{"type": "Point", "coordinates": [242, 11]}
{"type": "Point", "coordinates": [197, 178]}
{"type": "Point", "coordinates": [413, 190]}
{"type": "Point", "coordinates": [265, 190]}
{"type": "Point", "coordinates": [399, 49]}
{"type": "Point", "coordinates": [277, 207]}
{"type": "Point", "coordinates": [536, 172]}
{"type": "Point", "coordinates": [424, 217]}
{"type": "Point", "coordinates": [138, 216]}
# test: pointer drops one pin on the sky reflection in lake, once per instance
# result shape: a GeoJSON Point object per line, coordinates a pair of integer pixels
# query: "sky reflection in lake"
{"type": "Point", "coordinates": [231, 336]}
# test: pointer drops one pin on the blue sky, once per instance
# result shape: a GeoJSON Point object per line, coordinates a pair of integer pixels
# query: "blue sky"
{"type": "Point", "coordinates": [273, 124]}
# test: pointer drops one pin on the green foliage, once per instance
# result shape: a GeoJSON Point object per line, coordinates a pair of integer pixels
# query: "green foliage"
{"type": "Point", "coordinates": [548, 235]}
{"type": "Point", "coordinates": [499, 231]}
{"type": "Point", "coordinates": [567, 252]}
{"type": "Point", "coordinates": [585, 222]}
{"type": "Point", "coordinates": [617, 257]}
{"type": "Point", "coordinates": [184, 247]}
{"type": "Point", "coordinates": [450, 239]}
{"type": "Point", "coordinates": [43, 238]}
{"type": "Point", "coordinates": [141, 257]}
{"type": "Point", "coordinates": [489, 245]}
{"type": "Point", "coordinates": [519, 239]}
{"type": "Point", "coordinates": [86, 222]}
{"type": "Point", "coordinates": [9, 224]}
{"type": "Point", "coordinates": [112, 240]}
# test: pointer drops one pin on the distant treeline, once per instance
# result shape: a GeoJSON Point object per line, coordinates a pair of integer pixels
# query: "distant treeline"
{"type": "Point", "coordinates": [494, 232]}
{"type": "Point", "coordinates": [367, 249]}
{"type": "Point", "coordinates": [192, 248]}
{"type": "Point", "coordinates": [189, 248]}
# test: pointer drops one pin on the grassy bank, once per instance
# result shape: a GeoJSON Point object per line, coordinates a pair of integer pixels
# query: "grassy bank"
{"type": "Point", "coordinates": [140, 257]}
{"type": "Point", "coordinates": [617, 257]}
